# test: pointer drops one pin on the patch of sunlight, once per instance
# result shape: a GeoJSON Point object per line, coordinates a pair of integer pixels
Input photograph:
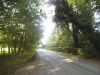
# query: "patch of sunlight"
{"type": "Point", "coordinates": [5, 50]}
{"type": "Point", "coordinates": [68, 60]}
{"type": "Point", "coordinates": [54, 70]}
{"type": "Point", "coordinates": [30, 67]}
{"type": "Point", "coordinates": [40, 64]}
{"type": "Point", "coordinates": [33, 66]}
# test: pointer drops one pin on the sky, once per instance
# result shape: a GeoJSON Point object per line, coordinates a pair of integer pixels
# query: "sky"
{"type": "Point", "coordinates": [48, 23]}
{"type": "Point", "coordinates": [97, 16]}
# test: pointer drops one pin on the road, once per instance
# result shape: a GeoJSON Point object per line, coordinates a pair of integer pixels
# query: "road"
{"type": "Point", "coordinates": [50, 63]}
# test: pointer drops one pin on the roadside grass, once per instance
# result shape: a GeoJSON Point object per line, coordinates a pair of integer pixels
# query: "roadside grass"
{"type": "Point", "coordinates": [9, 63]}
{"type": "Point", "coordinates": [95, 60]}
{"type": "Point", "coordinates": [68, 55]}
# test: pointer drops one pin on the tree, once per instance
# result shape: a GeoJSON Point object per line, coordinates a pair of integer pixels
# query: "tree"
{"type": "Point", "coordinates": [59, 39]}
{"type": "Point", "coordinates": [80, 14]}
{"type": "Point", "coordinates": [20, 24]}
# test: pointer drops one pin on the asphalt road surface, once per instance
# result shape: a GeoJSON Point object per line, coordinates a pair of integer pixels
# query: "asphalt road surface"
{"type": "Point", "coordinates": [50, 63]}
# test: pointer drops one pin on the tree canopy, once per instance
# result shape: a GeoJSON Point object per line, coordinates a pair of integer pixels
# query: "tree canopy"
{"type": "Point", "coordinates": [20, 26]}
{"type": "Point", "coordinates": [78, 17]}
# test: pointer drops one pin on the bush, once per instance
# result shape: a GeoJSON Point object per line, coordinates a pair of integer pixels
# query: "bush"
{"type": "Point", "coordinates": [88, 50]}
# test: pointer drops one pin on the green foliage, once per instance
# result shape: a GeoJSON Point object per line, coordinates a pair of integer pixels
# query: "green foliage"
{"type": "Point", "coordinates": [80, 13]}
{"type": "Point", "coordinates": [89, 50]}
{"type": "Point", "coordinates": [20, 32]}
{"type": "Point", "coordinates": [20, 27]}
{"type": "Point", "coordinates": [9, 63]}
{"type": "Point", "coordinates": [59, 39]}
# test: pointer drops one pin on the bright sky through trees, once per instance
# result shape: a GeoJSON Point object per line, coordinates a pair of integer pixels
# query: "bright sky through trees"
{"type": "Point", "coordinates": [48, 22]}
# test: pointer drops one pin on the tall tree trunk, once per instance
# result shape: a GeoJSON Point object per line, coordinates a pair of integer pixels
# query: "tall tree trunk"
{"type": "Point", "coordinates": [72, 19]}
{"type": "Point", "coordinates": [1, 50]}
{"type": "Point", "coordinates": [9, 49]}
{"type": "Point", "coordinates": [75, 35]}
{"type": "Point", "coordinates": [19, 49]}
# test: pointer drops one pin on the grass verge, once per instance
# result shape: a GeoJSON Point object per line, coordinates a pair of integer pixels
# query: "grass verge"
{"type": "Point", "coordinates": [9, 63]}
{"type": "Point", "coordinates": [95, 60]}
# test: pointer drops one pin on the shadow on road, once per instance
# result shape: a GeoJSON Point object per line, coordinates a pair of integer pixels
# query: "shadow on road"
{"type": "Point", "coordinates": [49, 63]}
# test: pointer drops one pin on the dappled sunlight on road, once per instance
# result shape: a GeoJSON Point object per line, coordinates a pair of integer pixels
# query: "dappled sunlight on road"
{"type": "Point", "coordinates": [33, 66]}
{"type": "Point", "coordinates": [68, 60]}
{"type": "Point", "coordinates": [53, 71]}
{"type": "Point", "coordinates": [50, 63]}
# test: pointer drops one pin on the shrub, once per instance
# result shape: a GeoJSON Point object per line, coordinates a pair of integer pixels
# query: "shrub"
{"type": "Point", "coordinates": [88, 50]}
